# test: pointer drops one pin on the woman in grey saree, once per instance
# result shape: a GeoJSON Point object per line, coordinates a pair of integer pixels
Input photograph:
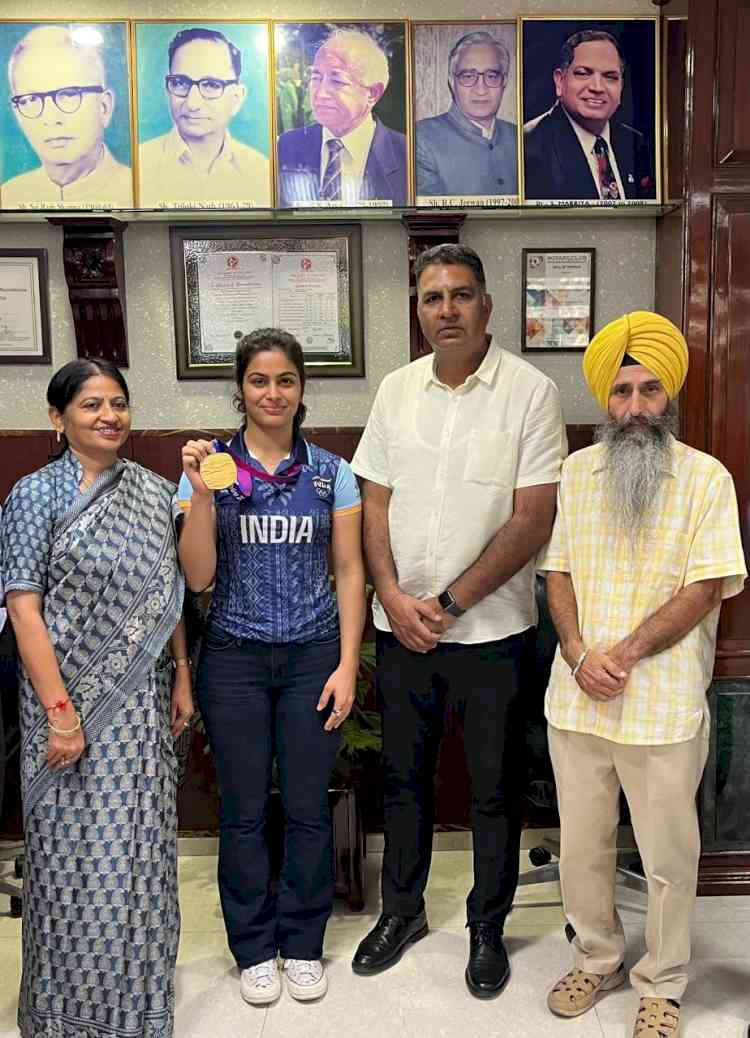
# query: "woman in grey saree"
{"type": "Point", "coordinates": [100, 919]}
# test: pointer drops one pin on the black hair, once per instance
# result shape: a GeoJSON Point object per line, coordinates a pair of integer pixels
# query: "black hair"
{"type": "Point", "coordinates": [567, 53]}
{"type": "Point", "coordinates": [269, 339]}
{"type": "Point", "coordinates": [451, 255]}
{"type": "Point", "coordinates": [68, 382]}
{"type": "Point", "coordinates": [214, 36]}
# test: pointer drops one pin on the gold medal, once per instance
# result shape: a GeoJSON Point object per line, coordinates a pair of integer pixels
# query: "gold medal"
{"type": "Point", "coordinates": [218, 471]}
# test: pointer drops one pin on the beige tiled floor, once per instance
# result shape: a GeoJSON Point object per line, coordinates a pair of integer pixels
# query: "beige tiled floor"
{"type": "Point", "coordinates": [424, 996]}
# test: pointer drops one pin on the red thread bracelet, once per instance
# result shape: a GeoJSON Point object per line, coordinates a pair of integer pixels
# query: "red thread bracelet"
{"type": "Point", "coordinates": [59, 705]}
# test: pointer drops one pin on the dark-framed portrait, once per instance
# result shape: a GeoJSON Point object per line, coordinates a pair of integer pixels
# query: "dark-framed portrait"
{"type": "Point", "coordinates": [591, 110]}
{"type": "Point", "coordinates": [557, 311]}
{"type": "Point", "coordinates": [305, 279]}
{"type": "Point", "coordinates": [203, 114]}
{"type": "Point", "coordinates": [466, 113]}
{"type": "Point", "coordinates": [341, 114]}
{"type": "Point", "coordinates": [24, 307]}
{"type": "Point", "coordinates": [75, 78]}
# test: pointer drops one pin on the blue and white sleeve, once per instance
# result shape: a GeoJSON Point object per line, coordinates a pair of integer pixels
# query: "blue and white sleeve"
{"type": "Point", "coordinates": [346, 499]}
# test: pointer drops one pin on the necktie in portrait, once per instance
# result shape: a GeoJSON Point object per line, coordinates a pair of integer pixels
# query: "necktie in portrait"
{"type": "Point", "coordinates": [330, 189]}
{"type": "Point", "coordinates": [607, 181]}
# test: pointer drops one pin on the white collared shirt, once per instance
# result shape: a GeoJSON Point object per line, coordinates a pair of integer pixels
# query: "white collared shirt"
{"type": "Point", "coordinates": [453, 459]}
{"type": "Point", "coordinates": [488, 132]}
{"type": "Point", "coordinates": [587, 141]}
{"type": "Point", "coordinates": [168, 173]}
{"type": "Point", "coordinates": [108, 185]}
{"type": "Point", "coordinates": [353, 158]}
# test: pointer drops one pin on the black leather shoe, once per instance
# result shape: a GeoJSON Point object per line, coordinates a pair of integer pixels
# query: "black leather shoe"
{"type": "Point", "coordinates": [488, 969]}
{"type": "Point", "coordinates": [387, 941]}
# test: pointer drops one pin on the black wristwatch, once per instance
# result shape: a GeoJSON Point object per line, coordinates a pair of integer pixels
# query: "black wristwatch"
{"type": "Point", "coordinates": [449, 605]}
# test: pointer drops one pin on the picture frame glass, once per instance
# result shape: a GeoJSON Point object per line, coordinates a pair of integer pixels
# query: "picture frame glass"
{"type": "Point", "coordinates": [304, 280]}
{"type": "Point", "coordinates": [558, 299]}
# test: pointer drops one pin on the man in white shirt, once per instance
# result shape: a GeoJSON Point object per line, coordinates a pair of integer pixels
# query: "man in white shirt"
{"type": "Point", "coordinates": [199, 160]}
{"type": "Point", "coordinates": [460, 458]}
{"type": "Point", "coordinates": [347, 155]}
{"type": "Point", "coordinates": [63, 106]}
{"type": "Point", "coordinates": [575, 150]}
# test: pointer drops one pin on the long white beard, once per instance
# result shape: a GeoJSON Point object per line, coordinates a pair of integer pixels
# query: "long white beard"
{"type": "Point", "coordinates": [637, 457]}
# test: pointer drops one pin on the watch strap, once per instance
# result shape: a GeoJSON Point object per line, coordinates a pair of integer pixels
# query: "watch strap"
{"type": "Point", "coordinates": [449, 605]}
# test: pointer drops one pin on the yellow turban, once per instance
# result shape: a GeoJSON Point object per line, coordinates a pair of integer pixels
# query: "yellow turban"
{"type": "Point", "coordinates": [648, 338]}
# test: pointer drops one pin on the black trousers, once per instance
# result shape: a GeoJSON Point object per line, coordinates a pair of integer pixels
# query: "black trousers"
{"type": "Point", "coordinates": [483, 682]}
{"type": "Point", "coordinates": [258, 701]}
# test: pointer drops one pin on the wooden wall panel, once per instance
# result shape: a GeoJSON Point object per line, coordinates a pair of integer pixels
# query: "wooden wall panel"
{"type": "Point", "coordinates": [23, 451]}
{"type": "Point", "coordinates": [716, 399]}
{"type": "Point", "coordinates": [732, 144]}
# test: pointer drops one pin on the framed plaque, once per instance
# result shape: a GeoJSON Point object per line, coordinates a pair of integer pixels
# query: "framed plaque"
{"type": "Point", "coordinates": [24, 307]}
{"type": "Point", "coordinates": [558, 299]}
{"type": "Point", "coordinates": [228, 281]}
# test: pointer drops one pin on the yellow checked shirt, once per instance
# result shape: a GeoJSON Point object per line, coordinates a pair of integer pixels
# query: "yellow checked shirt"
{"type": "Point", "coordinates": [695, 536]}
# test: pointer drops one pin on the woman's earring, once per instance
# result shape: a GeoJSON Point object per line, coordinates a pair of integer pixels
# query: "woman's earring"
{"type": "Point", "coordinates": [57, 433]}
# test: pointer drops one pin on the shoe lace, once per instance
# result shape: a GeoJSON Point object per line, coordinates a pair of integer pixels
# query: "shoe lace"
{"type": "Point", "coordinates": [263, 974]}
{"type": "Point", "coordinates": [304, 971]}
{"type": "Point", "coordinates": [488, 933]}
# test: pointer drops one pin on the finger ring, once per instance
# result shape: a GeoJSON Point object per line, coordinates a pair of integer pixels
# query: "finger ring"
{"type": "Point", "coordinates": [336, 712]}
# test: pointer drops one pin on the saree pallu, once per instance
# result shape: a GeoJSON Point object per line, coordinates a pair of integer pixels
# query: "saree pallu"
{"type": "Point", "coordinates": [101, 918]}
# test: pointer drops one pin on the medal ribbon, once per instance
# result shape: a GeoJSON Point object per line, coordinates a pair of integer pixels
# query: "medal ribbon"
{"type": "Point", "coordinates": [247, 473]}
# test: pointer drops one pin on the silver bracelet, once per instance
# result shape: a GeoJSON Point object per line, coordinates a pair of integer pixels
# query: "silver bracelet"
{"type": "Point", "coordinates": [579, 663]}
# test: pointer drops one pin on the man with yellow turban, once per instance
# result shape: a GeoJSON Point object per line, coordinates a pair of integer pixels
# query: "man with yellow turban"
{"type": "Point", "coordinates": [645, 546]}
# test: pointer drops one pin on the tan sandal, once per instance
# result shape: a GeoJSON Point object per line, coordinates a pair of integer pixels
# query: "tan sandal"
{"type": "Point", "coordinates": [657, 1018]}
{"type": "Point", "coordinates": [577, 991]}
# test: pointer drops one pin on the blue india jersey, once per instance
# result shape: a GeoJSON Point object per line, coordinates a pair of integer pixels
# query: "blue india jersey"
{"type": "Point", "coordinates": [272, 571]}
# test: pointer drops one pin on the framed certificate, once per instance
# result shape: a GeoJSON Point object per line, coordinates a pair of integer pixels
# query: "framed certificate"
{"type": "Point", "coordinates": [228, 281]}
{"type": "Point", "coordinates": [558, 299]}
{"type": "Point", "coordinates": [24, 307]}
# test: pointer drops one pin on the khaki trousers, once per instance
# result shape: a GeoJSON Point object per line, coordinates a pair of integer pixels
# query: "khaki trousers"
{"type": "Point", "coordinates": [660, 783]}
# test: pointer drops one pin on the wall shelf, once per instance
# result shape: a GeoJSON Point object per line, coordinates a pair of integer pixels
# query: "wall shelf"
{"type": "Point", "coordinates": [515, 212]}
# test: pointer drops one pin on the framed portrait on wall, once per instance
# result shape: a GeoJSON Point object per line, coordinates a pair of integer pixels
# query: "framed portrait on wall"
{"type": "Point", "coordinates": [591, 110]}
{"type": "Point", "coordinates": [558, 299]}
{"type": "Point", "coordinates": [65, 121]}
{"type": "Point", "coordinates": [203, 114]}
{"type": "Point", "coordinates": [341, 114]}
{"type": "Point", "coordinates": [24, 307]}
{"type": "Point", "coordinates": [305, 279]}
{"type": "Point", "coordinates": [465, 111]}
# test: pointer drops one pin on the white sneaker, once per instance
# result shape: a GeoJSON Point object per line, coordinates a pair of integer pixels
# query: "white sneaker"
{"type": "Point", "coordinates": [261, 984]}
{"type": "Point", "coordinates": [305, 978]}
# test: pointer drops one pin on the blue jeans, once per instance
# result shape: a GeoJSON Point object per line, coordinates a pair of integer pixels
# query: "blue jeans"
{"type": "Point", "coordinates": [258, 702]}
